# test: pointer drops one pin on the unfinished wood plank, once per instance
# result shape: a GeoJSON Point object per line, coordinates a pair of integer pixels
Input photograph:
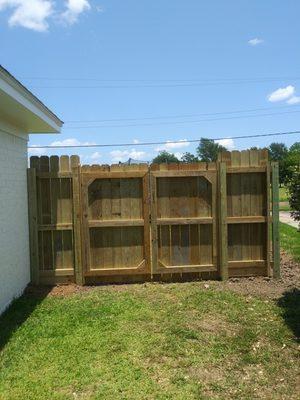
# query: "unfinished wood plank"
{"type": "Point", "coordinates": [45, 193]}
{"type": "Point", "coordinates": [153, 224]}
{"type": "Point", "coordinates": [275, 215]}
{"type": "Point", "coordinates": [146, 215]}
{"type": "Point", "coordinates": [184, 221]}
{"type": "Point", "coordinates": [47, 250]}
{"type": "Point", "coordinates": [57, 240]}
{"type": "Point", "coordinates": [206, 245]}
{"type": "Point", "coordinates": [179, 173]}
{"type": "Point", "coordinates": [55, 227]}
{"type": "Point", "coordinates": [175, 269]}
{"type": "Point", "coordinates": [53, 174]}
{"type": "Point", "coordinates": [223, 233]}
{"type": "Point", "coordinates": [245, 170]}
{"type": "Point", "coordinates": [236, 184]}
{"type": "Point", "coordinates": [33, 232]}
{"type": "Point", "coordinates": [113, 222]}
{"type": "Point", "coordinates": [77, 218]}
{"type": "Point", "coordinates": [66, 191]}
{"type": "Point", "coordinates": [248, 219]}
{"type": "Point", "coordinates": [266, 192]}
{"type": "Point", "coordinates": [113, 174]}
{"type": "Point", "coordinates": [86, 239]}
{"type": "Point", "coordinates": [55, 192]}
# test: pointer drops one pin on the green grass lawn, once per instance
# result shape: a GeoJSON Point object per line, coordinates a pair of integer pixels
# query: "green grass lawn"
{"type": "Point", "coordinates": [284, 207]}
{"type": "Point", "coordinates": [290, 240]}
{"type": "Point", "coordinates": [283, 195]}
{"type": "Point", "coordinates": [154, 341]}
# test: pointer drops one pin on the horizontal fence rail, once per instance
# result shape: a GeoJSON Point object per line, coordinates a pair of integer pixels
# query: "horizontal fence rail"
{"type": "Point", "coordinates": [113, 223]}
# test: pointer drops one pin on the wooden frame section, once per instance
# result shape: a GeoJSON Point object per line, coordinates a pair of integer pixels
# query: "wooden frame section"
{"type": "Point", "coordinates": [248, 201]}
{"type": "Point", "coordinates": [88, 176]}
{"type": "Point", "coordinates": [175, 171]}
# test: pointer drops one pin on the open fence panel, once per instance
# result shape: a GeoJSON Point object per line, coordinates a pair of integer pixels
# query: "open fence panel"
{"type": "Point", "coordinates": [108, 223]}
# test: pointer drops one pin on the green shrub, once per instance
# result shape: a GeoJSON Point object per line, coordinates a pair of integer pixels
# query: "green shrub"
{"type": "Point", "coordinates": [294, 190]}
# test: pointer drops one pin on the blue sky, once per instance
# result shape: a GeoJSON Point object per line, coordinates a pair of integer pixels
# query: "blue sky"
{"type": "Point", "coordinates": [126, 63]}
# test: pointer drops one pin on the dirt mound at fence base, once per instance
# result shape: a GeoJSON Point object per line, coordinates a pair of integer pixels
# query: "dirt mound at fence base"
{"type": "Point", "coordinates": [267, 287]}
{"type": "Point", "coordinates": [263, 287]}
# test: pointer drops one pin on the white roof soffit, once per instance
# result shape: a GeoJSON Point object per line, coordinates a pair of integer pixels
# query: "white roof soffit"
{"type": "Point", "coordinates": [21, 108]}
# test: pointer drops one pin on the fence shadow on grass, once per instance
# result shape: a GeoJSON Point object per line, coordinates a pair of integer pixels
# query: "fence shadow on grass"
{"type": "Point", "coordinates": [290, 303]}
{"type": "Point", "coordinates": [18, 312]}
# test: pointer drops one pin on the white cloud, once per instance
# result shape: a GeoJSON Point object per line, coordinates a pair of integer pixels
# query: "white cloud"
{"type": "Point", "coordinates": [228, 143]}
{"type": "Point", "coordinates": [281, 94]}
{"type": "Point", "coordinates": [74, 9]}
{"type": "Point", "coordinates": [121, 156]}
{"type": "Point", "coordinates": [94, 158]}
{"type": "Point", "coordinates": [36, 151]}
{"type": "Point", "coordinates": [70, 142]}
{"type": "Point", "coordinates": [170, 146]}
{"type": "Point", "coordinates": [255, 41]}
{"type": "Point", "coordinates": [294, 100]}
{"type": "Point", "coordinates": [31, 14]}
{"type": "Point", "coordinates": [35, 14]}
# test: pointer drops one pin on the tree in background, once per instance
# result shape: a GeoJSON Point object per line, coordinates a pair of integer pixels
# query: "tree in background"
{"type": "Point", "coordinates": [189, 158]}
{"type": "Point", "coordinates": [279, 152]}
{"type": "Point", "coordinates": [294, 191]}
{"type": "Point", "coordinates": [294, 156]}
{"type": "Point", "coordinates": [294, 183]}
{"type": "Point", "coordinates": [208, 150]}
{"type": "Point", "coordinates": [165, 157]}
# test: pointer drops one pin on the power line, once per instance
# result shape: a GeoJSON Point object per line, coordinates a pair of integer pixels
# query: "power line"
{"type": "Point", "coordinates": [137, 84]}
{"type": "Point", "coordinates": [94, 79]}
{"type": "Point", "coordinates": [182, 122]}
{"type": "Point", "coordinates": [178, 116]}
{"type": "Point", "coordinates": [170, 85]}
{"type": "Point", "coordinates": [160, 143]}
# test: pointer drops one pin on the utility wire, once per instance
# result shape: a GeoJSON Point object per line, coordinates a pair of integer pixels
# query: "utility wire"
{"type": "Point", "coordinates": [177, 116]}
{"type": "Point", "coordinates": [169, 85]}
{"type": "Point", "coordinates": [264, 79]}
{"type": "Point", "coordinates": [181, 122]}
{"type": "Point", "coordinates": [136, 84]}
{"type": "Point", "coordinates": [160, 143]}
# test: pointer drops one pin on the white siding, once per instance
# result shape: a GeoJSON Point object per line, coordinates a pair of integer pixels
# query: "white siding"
{"type": "Point", "coordinates": [14, 246]}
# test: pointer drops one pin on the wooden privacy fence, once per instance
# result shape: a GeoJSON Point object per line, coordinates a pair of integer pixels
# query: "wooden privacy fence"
{"type": "Point", "coordinates": [102, 223]}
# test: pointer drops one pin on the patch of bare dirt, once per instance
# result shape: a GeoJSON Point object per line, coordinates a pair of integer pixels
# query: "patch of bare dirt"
{"type": "Point", "coordinates": [258, 286]}
{"type": "Point", "coordinates": [58, 290]}
{"type": "Point", "coordinates": [269, 287]}
{"type": "Point", "coordinates": [215, 324]}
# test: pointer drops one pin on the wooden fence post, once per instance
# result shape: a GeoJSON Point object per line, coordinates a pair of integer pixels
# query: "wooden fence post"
{"type": "Point", "coordinates": [33, 227]}
{"type": "Point", "coordinates": [275, 216]}
{"type": "Point", "coordinates": [223, 234]}
{"type": "Point", "coordinates": [79, 277]}
{"type": "Point", "coordinates": [153, 224]}
{"type": "Point", "coordinates": [268, 227]}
